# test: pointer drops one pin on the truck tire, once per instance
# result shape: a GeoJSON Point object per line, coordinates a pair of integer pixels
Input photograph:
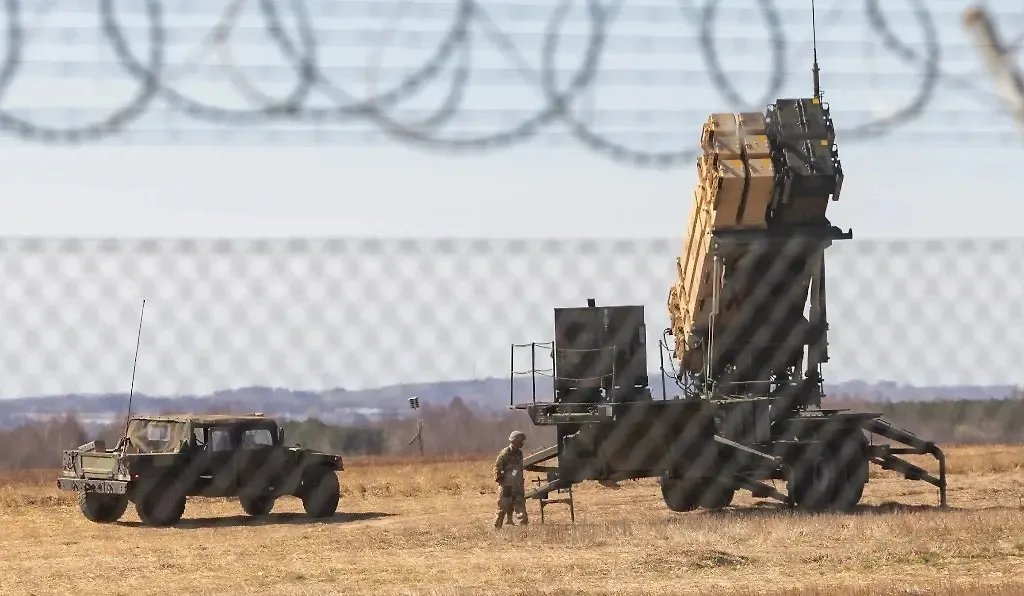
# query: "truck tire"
{"type": "Point", "coordinates": [321, 494]}
{"type": "Point", "coordinates": [160, 508]}
{"type": "Point", "coordinates": [257, 506]}
{"type": "Point", "coordinates": [680, 495]}
{"type": "Point", "coordinates": [102, 508]}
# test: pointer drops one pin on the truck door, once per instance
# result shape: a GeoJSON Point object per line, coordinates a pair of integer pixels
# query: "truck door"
{"type": "Point", "coordinates": [258, 462]}
{"type": "Point", "coordinates": [219, 472]}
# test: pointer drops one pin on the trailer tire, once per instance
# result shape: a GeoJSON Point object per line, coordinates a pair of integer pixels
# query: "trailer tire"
{"type": "Point", "coordinates": [852, 455]}
{"type": "Point", "coordinates": [717, 496]}
{"type": "Point", "coordinates": [680, 495]}
{"type": "Point", "coordinates": [812, 481]}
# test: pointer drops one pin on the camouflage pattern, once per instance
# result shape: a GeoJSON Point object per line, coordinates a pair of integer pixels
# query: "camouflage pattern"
{"type": "Point", "coordinates": [508, 475]}
{"type": "Point", "coordinates": [508, 469]}
{"type": "Point", "coordinates": [507, 505]}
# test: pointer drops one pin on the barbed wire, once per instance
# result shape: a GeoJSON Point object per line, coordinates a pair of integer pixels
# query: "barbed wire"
{"type": "Point", "coordinates": [294, 34]}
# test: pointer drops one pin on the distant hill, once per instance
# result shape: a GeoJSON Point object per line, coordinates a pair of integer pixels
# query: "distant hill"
{"type": "Point", "coordinates": [341, 406]}
{"type": "Point", "coordinates": [894, 392]}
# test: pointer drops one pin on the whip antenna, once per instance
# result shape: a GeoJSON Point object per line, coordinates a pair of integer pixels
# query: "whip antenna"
{"type": "Point", "coordinates": [814, 45]}
{"type": "Point", "coordinates": [135, 362]}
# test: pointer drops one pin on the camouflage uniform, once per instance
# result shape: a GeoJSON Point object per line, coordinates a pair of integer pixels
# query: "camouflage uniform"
{"type": "Point", "coordinates": [508, 474]}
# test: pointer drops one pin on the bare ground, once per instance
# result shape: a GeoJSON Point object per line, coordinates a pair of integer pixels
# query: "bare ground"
{"type": "Point", "coordinates": [424, 528]}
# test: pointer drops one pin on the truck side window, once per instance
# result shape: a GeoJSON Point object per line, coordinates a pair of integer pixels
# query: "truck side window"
{"type": "Point", "coordinates": [220, 440]}
{"type": "Point", "coordinates": [259, 437]}
{"type": "Point", "coordinates": [157, 432]}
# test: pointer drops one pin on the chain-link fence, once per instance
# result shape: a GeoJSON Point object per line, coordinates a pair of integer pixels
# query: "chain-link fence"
{"type": "Point", "coordinates": [357, 314]}
{"type": "Point", "coordinates": [358, 345]}
{"type": "Point", "coordinates": [335, 329]}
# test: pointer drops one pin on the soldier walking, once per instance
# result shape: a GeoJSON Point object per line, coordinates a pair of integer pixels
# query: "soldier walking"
{"type": "Point", "coordinates": [508, 475]}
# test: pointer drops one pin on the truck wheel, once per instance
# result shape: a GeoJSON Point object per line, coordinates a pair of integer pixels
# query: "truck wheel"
{"type": "Point", "coordinates": [321, 495]}
{"type": "Point", "coordinates": [813, 480]}
{"type": "Point", "coordinates": [102, 508]}
{"type": "Point", "coordinates": [257, 506]}
{"type": "Point", "coordinates": [160, 509]}
{"type": "Point", "coordinates": [680, 495]}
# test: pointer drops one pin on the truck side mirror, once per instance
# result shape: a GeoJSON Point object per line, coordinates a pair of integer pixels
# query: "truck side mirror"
{"type": "Point", "coordinates": [280, 435]}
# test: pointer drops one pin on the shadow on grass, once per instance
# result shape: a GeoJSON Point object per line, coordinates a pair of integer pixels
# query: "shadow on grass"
{"type": "Point", "coordinates": [272, 519]}
{"type": "Point", "coordinates": [772, 509]}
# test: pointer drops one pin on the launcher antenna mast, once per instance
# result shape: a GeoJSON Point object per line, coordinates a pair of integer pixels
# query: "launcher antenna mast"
{"type": "Point", "coordinates": [814, 44]}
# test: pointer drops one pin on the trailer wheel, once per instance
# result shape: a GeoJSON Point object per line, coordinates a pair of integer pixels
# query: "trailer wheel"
{"type": "Point", "coordinates": [852, 455]}
{"type": "Point", "coordinates": [717, 496]}
{"type": "Point", "coordinates": [813, 480]}
{"type": "Point", "coordinates": [680, 495]}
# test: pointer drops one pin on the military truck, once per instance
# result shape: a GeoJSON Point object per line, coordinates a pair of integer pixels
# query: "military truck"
{"type": "Point", "coordinates": [162, 460]}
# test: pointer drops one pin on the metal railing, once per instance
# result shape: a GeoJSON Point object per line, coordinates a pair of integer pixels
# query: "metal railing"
{"type": "Point", "coordinates": [551, 372]}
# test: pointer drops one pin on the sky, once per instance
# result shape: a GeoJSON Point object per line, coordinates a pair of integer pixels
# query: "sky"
{"type": "Point", "coordinates": [319, 318]}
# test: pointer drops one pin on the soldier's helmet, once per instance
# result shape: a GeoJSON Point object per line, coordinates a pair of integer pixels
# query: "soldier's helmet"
{"type": "Point", "coordinates": [516, 434]}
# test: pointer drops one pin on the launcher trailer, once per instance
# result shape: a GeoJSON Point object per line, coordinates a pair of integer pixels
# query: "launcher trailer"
{"type": "Point", "coordinates": [746, 342]}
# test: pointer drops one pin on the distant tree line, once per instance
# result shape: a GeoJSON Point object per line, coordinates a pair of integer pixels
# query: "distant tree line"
{"type": "Point", "coordinates": [348, 440]}
{"type": "Point", "coordinates": [459, 429]}
{"type": "Point", "coordinates": [39, 445]}
{"type": "Point", "coordinates": [951, 421]}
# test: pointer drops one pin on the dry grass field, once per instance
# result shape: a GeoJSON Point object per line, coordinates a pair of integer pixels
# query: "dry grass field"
{"type": "Point", "coordinates": [424, 528]}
